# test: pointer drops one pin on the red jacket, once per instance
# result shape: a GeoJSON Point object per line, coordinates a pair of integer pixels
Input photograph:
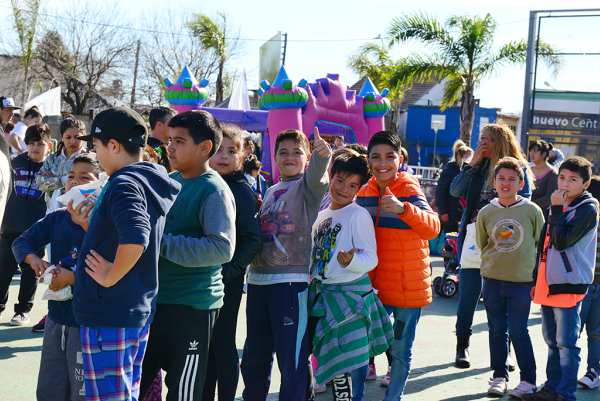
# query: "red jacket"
{"type": "Point", "coordinates": [403, 274]}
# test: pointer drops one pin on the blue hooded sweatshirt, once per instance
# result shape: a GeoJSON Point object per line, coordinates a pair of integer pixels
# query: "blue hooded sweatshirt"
{"type": "Point", "coordinates": [131, 209]}
{"type": "Point", "coordinates": [65, 238]}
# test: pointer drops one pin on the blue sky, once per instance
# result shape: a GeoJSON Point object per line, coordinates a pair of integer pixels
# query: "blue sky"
{"type": "Point", "coordinates": [348, 24]}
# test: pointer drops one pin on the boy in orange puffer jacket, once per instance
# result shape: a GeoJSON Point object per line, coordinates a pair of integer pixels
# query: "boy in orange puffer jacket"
{"type": "Point", "coordinates": [404, 223]}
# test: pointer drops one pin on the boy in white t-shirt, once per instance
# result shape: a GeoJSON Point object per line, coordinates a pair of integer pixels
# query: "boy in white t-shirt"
{"type": "Point", "coordinates": [344, 310]}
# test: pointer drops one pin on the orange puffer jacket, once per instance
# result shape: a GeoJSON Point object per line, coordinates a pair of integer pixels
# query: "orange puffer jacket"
{"type": "Point", "coordinates": [403, 275]}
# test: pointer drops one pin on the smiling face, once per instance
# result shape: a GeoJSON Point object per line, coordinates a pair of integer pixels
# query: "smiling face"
{"type": "Point", "coordinates": [291, 158]}
{"type": "Point", "coordinates": [38, 150]}
{"type": "Point", "coordinates": [228, 158]}
{"type": "Point", "coordinates": [384, 162]}
{"type": "Point", "coordinates": [343, 188]}
{"type": "Point", "coordinates": [81, 173]}
{"type": "Point", "coordinates": [507, 183]}
{"type": "Point", "coordinates": [572, 183]}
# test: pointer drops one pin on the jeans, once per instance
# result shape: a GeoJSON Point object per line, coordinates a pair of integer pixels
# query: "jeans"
{"type": "Point", "coordinates": [359, 376]}
{"type": "Point", "coordinates": [590, 318]}
{"type": "Point", "coordinates": [468, 296]}
{"type": "Point", "coordinates": [405, 326]}
{"type": "Point", "coordinates": [561, 327]}
{"type": "Point", "coordinates": [507, 306]}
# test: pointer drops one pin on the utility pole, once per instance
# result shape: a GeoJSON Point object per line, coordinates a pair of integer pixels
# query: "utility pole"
{"type": "Point", "coordinates": [135, 72]}
{"type": "Point", "coordinates": [284, 48]}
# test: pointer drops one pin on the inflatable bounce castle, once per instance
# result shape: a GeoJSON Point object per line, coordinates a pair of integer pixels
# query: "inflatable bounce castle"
{"type": "Point", "coordinates": [186, 93]}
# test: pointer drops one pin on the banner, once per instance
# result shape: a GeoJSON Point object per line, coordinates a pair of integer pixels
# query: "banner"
{"type": "Point", "coordinates": [48, 102]}
{"type": "Point", "coordinates": [562, 121]}
{"type": "Point", "coordinates": [270, 58]}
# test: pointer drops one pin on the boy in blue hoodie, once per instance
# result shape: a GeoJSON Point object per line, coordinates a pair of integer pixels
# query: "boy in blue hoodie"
{"type": "Point", "coordinates": [116, 279]}
{"type": "Point", "coordinates": [59, 377]}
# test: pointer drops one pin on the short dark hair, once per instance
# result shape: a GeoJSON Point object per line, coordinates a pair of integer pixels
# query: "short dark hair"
{"type": "Point", "coordinates": [201, 125]}
{"type": "Point", "coordinates": [351, 163]}
{"type": "Point", "coordinates": [87, 158]}
{"type": "Point", "coordinates": [578, 165]}
{"type": "Point", "coordinates": [541, 146]}
{"type": "Point", "coordinates": [37, 132]}
{"type": "Point", "coordinates": [594, 188]}
{"type": "Point", "coordinates": [252, 164]}
{"type": "Point", "coordinates": [358, 148]}
{"type": "Point", "coordinates": [292, 135]}
{"type": "Point", "coordinates": [161, 114]}
{"type": "Point", "coordinates": [385, 138]}
{"type": "Point", "coordinates": [510, 163]}
{"type": "Point", "coordinates": [71, 122]}
{"type": "Point", "coordinates": [234, 133]}
{"type": "Point", "coordinates": [132, 149]}
{"type": "Point", "coordinates": [32, 112]}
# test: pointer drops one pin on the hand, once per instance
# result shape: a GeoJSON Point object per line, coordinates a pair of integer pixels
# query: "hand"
{"type": "Point", "coordinates": [320, 145]}
{"type": "Point", "coordinates": [81, 214]}
{"type": "Point", "coordinates": [38, 265]}
{"type": "Point", "coordinates": [61, 278]}
{"type": "Point", "coordinates": [344, 258]}
{"type": "Point", "coordinates": [99, 268]}
{"type": "Point", "coordinates": [557, 198]}
{"type": "Point", "coordinates": [478, 155]}
{"type": "Point", "coordinates": [391, 204]}
{"type": "Point", "coordinates": [444, 217]}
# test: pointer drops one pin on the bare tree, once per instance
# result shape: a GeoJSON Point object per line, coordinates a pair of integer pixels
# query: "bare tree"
{"type": "Point", "coordinates": [82, 53]}
{"type": "Point", "coordinates": [26, 23]}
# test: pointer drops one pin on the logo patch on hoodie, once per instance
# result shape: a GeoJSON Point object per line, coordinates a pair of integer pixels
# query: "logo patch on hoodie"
{"type": "Point", "coordinates": [507, 235]}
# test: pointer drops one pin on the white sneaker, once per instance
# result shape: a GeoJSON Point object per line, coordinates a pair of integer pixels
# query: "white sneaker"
{"type": "Point", "coordinates": [590, 380]}
{"type": "Point", "coordinates": [20, 319]}
{"type": "Point", "coordinates": [522, 389]}
{"type": "Point", "coordinates": [498, 386]}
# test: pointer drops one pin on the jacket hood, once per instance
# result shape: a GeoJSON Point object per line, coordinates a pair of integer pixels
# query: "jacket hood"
{"type": "Point", "coordinates": [160, 188]}
{"type": "Point", "coordinates": [520, 202]}
{"type": "Point", "coordinates": [585, 197]}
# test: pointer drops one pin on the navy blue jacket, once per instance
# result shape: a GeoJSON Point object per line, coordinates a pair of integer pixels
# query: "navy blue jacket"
{"type": "Point", "coordinates": [65, 238]}
{"type": "Point", "coordinates": [130, 210]}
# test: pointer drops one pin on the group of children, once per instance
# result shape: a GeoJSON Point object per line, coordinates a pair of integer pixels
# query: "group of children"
{"type": "Point", "coordinates": [157, 264]}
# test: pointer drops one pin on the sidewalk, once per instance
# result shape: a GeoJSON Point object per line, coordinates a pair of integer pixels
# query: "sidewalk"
{"type": "Point", "coordinates": [433, 377]}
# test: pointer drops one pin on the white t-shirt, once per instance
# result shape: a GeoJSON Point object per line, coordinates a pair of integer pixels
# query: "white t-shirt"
{"type": "Point", "coordinates": [19, 132]}
{"type": "Point", "coordinates": [341, 230]}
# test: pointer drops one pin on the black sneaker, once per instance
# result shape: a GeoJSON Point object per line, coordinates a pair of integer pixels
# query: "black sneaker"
{"type": "Point", "coordinates": [39, 326]}
{"type": "Point", "coordinates": [545, 394]}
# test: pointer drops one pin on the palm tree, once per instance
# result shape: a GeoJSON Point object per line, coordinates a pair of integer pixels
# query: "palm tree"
{"type": "Point", "coordinates": [462, 57]}
{"type": "Point", "coordinates": [213, 37]}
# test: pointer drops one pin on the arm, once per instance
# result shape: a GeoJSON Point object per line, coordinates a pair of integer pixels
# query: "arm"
{"type": "Point", "coordinates": [442, 192]}
{"type": "Point", "coordinates": [481, 235]}
{"type": "Point", "coordinates": [14, 142]}
{"type": "Point", "coordinates": [461, 182]}
{"type": "Point", "coordinates": [565, 234]}
{"type": "Point", "coordinates": [315, 180]}
{"type": "Point", "coordinates": [363, 238]}
{"type": "Point", "coordinates": [538, 225]}
{"type": "Point", "coordinates": [526, 191]}
{"type": "Point", "coordinates": [217, 243]}
{"type": "Point", "coordinates": [34, 239]}
{"type": "Point", "coordinates": [419, 216]}
{"type": "Point", "coordinates": [108, 274]}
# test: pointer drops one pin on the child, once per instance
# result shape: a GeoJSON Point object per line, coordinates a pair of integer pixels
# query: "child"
{"type": "Point", "coordinates": [252, 168]}
{"type": "Point", "coordinates": [59, 377]}
{"type": "Point", "coordinates": [344, 251]}
{"type": "Point", "coordinates": [507, 233]}
{"type": "Point", "coordinates": [565, 271]}
{"type": "Point", "coordinates": [199, 238]}
{"type": "Point", "coordinates": [16, 139]}
{"type": "Point", "coordinates": [116, 275]}
{"type": "Point", "coordinates": [159, 137]}
{"type": "Point", "coordinates": [25, 206]}
{"type": "Point", "coordinates": [223, 355]}
{"type": "Point", "coordinates": [404, 223]}
{"type": "Point", "coordinates": [590, 314]}
{"type": "Point", "coordinates": [276, 309]}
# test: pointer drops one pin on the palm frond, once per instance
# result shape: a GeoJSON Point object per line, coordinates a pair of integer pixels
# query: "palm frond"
{"type": "Point", "coordinates": [210, 34]}
{"type": "Point", "coordinates": [417, 69]}
{"type": "Point", "coordinates": [420, 27]}
{"type": "Point", "coordinates": [453, 88]}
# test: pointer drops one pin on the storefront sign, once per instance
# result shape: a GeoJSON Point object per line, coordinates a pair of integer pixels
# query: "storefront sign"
{"type": "Point", "coordinates": [560, 121]}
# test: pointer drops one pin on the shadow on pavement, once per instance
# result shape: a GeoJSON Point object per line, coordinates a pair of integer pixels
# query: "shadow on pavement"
{"type": "Point", "coordinates": [415, 386]}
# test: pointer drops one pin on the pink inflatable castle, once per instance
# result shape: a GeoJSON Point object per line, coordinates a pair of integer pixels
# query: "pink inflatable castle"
{"type": "Point", "coordinates": [326, 104]}
{"type": "Point", "coordinates": [186, 93]}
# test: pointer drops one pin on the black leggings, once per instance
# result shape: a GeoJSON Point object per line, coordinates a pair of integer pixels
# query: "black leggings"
{"type": "Point", "coordinates": [8, 267]}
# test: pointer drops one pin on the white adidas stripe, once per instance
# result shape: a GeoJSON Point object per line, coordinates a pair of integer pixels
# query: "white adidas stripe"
{"type": "Point", "coordinates": [188, 378]}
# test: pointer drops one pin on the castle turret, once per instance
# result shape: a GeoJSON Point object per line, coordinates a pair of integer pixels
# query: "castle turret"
{"type": "Point", "coordinates": [186, 93]}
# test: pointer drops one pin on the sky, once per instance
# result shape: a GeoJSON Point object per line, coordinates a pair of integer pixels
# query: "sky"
{"type": "Point", "coordinates": [322, 35]}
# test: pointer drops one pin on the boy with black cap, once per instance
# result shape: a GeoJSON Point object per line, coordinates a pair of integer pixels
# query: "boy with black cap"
{"type": "Point", "coordinates": [117, 271]}
{"type": "Point", "coordinates": [7, 107]}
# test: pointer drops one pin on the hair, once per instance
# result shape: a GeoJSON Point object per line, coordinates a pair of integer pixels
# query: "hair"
{"type": "Point", "coordinates": [594, 188]}
{"type": "Point", "coordinates": [37, 132]}
{"type": "Point", "coordinates": [504, 144]}
{"type": "Point", "coordinates": [292, 135]}
{"type": "Point", "coordinates": [252, 164]}
{"type": "Point", "coordinates": [460, 150]}
{"type": "Point", "coordinates": [249, 142]}
{"type": "Point", "coordinates": [88, 158]}
{"type": "Point", "coordinates": [131, 149]}
{"type": "Point", "coordinates": [67, 124]}
{"type": "Point", "coordinates": [579, 165]}
{"type": "Point", "coordinates": [201, 126]}
{"type": "Point", "coordinates": [341, 151]}
{"type": "Point", "coordinates": [510, 163]}
{"type": "Point", "coordinates": [541, 146]}
{"type": "Point", "coordinates": [385, 138]}
{"type": "Point", "coordinates": [351, 163]}
{"type": "Point", "coordinates": [160, 114]}
{"type": "Point", "coordinates": [150, 155]}
{"type": "Point", "coordinates": [233, 133]}
{"type": "Point", "coordinates": [404, 154]}
{"type": "Point", "coordinates": [358, 148]}
{"type": "Point", "coordinates": [32, 112]}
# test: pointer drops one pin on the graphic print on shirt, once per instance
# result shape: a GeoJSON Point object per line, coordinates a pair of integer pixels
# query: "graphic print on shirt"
{"type": "Point", "coordinates": [324, 245]}
{"type": "Point", "coordinates": [25, 186]}
{"type": "Point", "coordinates": [275, 221]}
{"type": "Point", "coordinates": [507, 235]}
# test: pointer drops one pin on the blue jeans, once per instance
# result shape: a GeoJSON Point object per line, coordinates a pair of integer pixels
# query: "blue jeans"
{"type": "Point", "coordinates": [468, 296]}
{"type": "Point", "coordinates": [507, 306]}
{"type": "Point", "coordinates": [561, 327]}
{"type": "Point", "coordinates": [590, 318]}
{"type": "Point", "coordinates": [405, 326]}
{"type": "Point", "coordinates": [359, 376]}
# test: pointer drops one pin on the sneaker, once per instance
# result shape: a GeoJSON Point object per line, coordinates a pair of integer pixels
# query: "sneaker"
{"type": "Point", "coordinates": [39, 326]}
{"type": "Point", "coordinates": [320, 388]}
{"type": "Point", "coordinates": [385, 380]}
{"type": "Point", "coordinates": [522, 389]}
{"type": "Point", "coordinates": [497, 387]}
{"type": "Point", "coordinates": [545, 394]}
{"type": "Point", "coordinates": [372, 373]}
{"type": "Point", "coordinates": [20, 319]}
{"type": "Point", "coordinates": [590, 380]}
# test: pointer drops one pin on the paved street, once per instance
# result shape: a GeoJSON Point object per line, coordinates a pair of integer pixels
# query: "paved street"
{"type": "Point", "coordinates": [433, 377]}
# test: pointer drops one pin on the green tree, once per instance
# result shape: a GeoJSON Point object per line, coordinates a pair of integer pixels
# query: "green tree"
{"type": "Point", "coordinates": [213, 35]}
{"type": "Point", "coordinates": [462, 55]}
{"type": "Point", "coordinates": [26, 25]}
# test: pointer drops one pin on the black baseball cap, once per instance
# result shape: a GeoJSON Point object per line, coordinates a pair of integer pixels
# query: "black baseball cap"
{"type": "Point", "coordinates": [120, 123]}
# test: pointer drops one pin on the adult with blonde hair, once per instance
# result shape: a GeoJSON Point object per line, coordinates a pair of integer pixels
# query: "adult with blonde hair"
{"type": "Point", "coordinates": [448, 206]}
{"type": "Point", "coordinates": [474, 183]}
